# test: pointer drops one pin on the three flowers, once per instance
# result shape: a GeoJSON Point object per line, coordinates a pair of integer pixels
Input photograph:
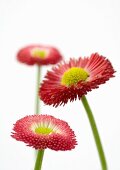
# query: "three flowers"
{"type": "Point", "coordinates": [66, 81]}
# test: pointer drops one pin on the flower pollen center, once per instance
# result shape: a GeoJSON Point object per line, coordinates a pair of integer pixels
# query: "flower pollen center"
{"type": "Point", "coordinates": [73, 76]}
{"type": "Point", "coordinates": [39, 53]}
{"type": "Point", "coordinates": [43, 130]}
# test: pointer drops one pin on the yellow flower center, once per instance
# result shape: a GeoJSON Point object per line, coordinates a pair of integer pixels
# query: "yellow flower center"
{"type": "Point", "coordinates": [73, 76]}
{"type": "Point", "coordinates": [43, 130]}
{"type": "Point", "coordinates": [39, 53]}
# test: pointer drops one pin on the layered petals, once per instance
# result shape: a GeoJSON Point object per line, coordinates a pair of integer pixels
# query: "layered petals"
{"type": "Point", "coordinates": [39, 54]}
{"type": "Point", "coordinates": [72, 80]}
{"type": "Point", "coordinates": [44, 131]}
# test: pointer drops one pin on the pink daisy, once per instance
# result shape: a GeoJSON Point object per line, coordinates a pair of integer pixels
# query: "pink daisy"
{"type": "Point", "coordinates": [44, 131]}
{"type": "Point", "coordinates": [39, 54]}
{"type": "Point", "coordinates": [72, 80]}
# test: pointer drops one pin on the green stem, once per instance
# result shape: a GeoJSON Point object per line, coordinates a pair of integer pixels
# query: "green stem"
{"type": "Point", "coordinates": [95, 133]}
{"type": "Point", "coordinates": [39, 153]}
{"type": "Point", "coordinates": [38, 163]}
{"type": "Point", "coordinates": [37, 106]}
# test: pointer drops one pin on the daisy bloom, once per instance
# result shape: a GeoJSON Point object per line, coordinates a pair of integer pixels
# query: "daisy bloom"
{"type": "Point", "coordinates": [44, 131]}
{"type": "Point", "coordinates": [72, 80]}
{"type": "Point", "coordinates": [39, 54]}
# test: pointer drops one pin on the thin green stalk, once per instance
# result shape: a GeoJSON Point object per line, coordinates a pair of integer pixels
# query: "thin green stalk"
{"type": "Point", "coordinates": [38, 163]}
{"type": "Point", "coordinates": [95, 133]}
{"type": "Point", "coordinates": [39, 153]}
{"type": "Point", "coordinates": [37, 105]}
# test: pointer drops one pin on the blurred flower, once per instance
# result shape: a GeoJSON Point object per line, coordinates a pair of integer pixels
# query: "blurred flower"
{"type": "Point", "coordinates": [44, 131]}
{"type": "Point", "coordinates": [39, 54]}
{"type": "Point", "coordinates": [67, 81]}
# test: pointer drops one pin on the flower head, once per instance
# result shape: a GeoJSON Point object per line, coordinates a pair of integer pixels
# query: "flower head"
{"type": "Point", "coordinates": [72, 80]}
{"type": "Point", "coordinates": [44, 131]}
{"type": "Point", "coordinates": [39, 54]}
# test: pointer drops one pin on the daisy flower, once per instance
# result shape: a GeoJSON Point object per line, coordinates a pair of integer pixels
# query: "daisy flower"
{"type": "Point", "coordinates": [73, 79]}
{"type": "Point", "coordinates": [44, 131]}
{"type": "Point", "coordinates": [39, 54]}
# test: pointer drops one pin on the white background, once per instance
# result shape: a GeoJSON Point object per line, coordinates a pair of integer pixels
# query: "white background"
{"type": "Point", "coordinates": [76, 28]}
